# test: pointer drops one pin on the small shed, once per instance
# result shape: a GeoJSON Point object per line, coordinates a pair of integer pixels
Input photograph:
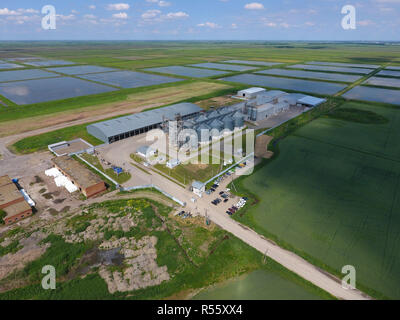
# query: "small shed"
{"type": "Point", "coordinates": [310, 102]}
{"type": "Point", "coordinates": [146, 152]}
{"type": "Point", "coordinates": [198, 188]}
{"type": "Point", "coordinates": [173, 163]}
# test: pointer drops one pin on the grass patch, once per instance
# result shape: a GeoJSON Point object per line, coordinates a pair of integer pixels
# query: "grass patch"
{"type": "Point", "coordinates": [357, 115]}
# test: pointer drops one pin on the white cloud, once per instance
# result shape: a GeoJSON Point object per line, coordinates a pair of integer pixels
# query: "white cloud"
{"type": "Point", "coordinates": [177, 15]}
{"type": "Point", "coordinates": [151, 14]}
{"type": "Point", "coordinates": [118, 7]}
{"type": "Point", "coordinates": [7, 12]}
{"type": "Point", "coordinates": [211, 25]}
{"type": "Point", "coordinates": [120, 15]}
{"type": "Point", "coordinates": [254, 6]}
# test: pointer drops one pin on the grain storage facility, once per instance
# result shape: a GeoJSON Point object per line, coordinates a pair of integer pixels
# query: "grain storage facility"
{"type": "Point", "coordinates": [87, 182]}
{"type": "Point", "coordinates": [12, 201]}
{"type": "Point", "coordinates": [122, 128]}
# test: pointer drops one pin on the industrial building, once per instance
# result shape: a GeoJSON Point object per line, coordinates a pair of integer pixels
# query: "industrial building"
{"type": "Point", "coordinates": [265, 104]}
{"type": "Point", "coordinates": [85, 180]}
{"type": "Point", "coordinates": [122, 128]}
{"type": "Point", "coordinates": [12, 201]}
{"type": "Point", "coordinates": [250, 93]}
{"type": "Point", "coordinates": [208, 125]}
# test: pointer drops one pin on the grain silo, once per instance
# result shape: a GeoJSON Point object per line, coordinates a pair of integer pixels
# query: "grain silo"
{"type": "Point", "coordinates": [229, 123]}
{"type": "Point", "coordinates": [238, 118]}
{"type": "Point", "coordinates": [203, 132]}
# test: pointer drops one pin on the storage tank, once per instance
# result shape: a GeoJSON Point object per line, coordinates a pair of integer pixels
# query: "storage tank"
{"type": "Point", "coordinates": [203, 132]}
{"type": "Point", "coordinates": [216, 124]}
{"type": "Point", "coordinates": [229, 123]}
{"type": "Point", "coordinates": [238, 118]}
{"type": "Point", "coordinates": [213, 114]}
{"type": "Point", "coordinates": [201, 118]}
{"type": "Point", "coordinates": [189, 124]}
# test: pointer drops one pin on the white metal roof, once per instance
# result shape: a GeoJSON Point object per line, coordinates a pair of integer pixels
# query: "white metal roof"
{"type": "Point", "coordinates": [252, 90]}
{"type": "Point", "coordinates": [311, 101]}
{"type": "Point", "coordinates": [137, 121]}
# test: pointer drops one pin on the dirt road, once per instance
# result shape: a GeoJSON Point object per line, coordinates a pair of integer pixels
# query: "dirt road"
{"type": "Point", "coordinates": [288, 259]}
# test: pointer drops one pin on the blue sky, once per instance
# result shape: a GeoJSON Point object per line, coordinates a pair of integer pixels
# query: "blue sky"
{"type": "Point", "coordinates": [200, 20]}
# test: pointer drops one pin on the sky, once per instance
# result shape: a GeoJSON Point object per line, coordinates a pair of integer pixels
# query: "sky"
{"type": "Point", "coordinates": [376, 20]}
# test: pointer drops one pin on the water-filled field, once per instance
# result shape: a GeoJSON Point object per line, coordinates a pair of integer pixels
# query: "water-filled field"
{"type": "Point", "coordinates": [77, 70]}
{"type": "Point", "coordinates": [331, 69]}
{"type": "Point", "coordinates": [28, 74]}
{"type": "Point", "coordinates": [129, 79]}
{"type": "Point", "coordinates": [333, 192]}
{"type": "Point", "coordinates": [253, 63]}
{"type": "Point", "coordinates": [48, 63]}
{"type": "Point", "coordinates": [221, 66]}
{"type": "Point", "coordinates": [339, 64]}
{"type": "Point", "coordinates": [287, 84]}
{"type": "Point", "coordinates": [312, 75]}
{"type": "Point", "coordinates": [374, 94]}
{"type": "Point", "coordinates": [187, 71]}
{"type": "Point", "coordinates": [389, 73]}
{"type": "Point", "coordinates": [42, 90]}
{"type": "Point", "coordinates": [258, 285]}
{"type": "Point", "coordinates": [385, 82]}
{"type": "Point", "coordinates": [5, 65]}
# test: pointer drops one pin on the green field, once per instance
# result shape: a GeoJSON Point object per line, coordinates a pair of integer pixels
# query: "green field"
{"type": "Point", "coordinates": [256, 286]}
{"type": "Point", "coordinates": [332, 195]}
{"type": "Point", "coordinates": [196, 257]}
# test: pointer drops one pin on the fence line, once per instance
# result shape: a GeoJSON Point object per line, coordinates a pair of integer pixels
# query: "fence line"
{"type": "Point", "coordinates": [152, 186]}
{"type": "Point", "coordinates": [99, 171]}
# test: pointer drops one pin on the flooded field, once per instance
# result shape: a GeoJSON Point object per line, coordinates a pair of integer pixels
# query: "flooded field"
{"type": "Point", "coordinates": [287, 84]}
{"type": "Point", "coordinates": [129, 79]}
{"type": "Point", "coordinates": [81, 70]}
{"type": "Point", "coordinates": [312, 75]}
{"type": "Point", "coordinates": [42, 90]}
{"type": "Point", "coordinates": [374, 94]}
{"type": "Point", "coordinates": [253, 63]}
{"type": "Point", "coordinates": [331, 69]}
{"type": "Point", "coordinates": [221, 66]}
{"type": "Point", "coordinates": [19, 75]}
{"type": "Point", "coordinates": [187, 71]}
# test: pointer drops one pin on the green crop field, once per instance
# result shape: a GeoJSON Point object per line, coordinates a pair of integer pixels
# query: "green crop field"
{"type": "Point", "coordinates": [332, 195]}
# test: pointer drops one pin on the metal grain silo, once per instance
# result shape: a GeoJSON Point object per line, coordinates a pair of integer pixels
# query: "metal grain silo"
{"type": "Point", "coordinates": [229, 123]}
{"type": "Point", "coordinates": [238, 118]}
{"type": "Point", "coordinates": [203, 132]}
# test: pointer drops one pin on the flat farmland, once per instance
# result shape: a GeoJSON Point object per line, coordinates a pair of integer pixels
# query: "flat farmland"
{"type": "Point", "coordinates": [187, 71]}
{"type": "Point", "coordinates": [221, 66]}
{"type": "Point", "coordinates": [312, 75]}
{"type": "Point", "coordinates": [331, 69]}
{"type": "Point", "coordinates": [129, 79]}
{"type": "Point", "coordinates": [317, 87]}
{"type": "Point", "coordinates": [333, 196]}
{"type": "Point", "coordinates": [366, 93]}
{"type": "Point", "coordinates": [44, 90]}
{"type": "Point", "coordinates": [72, 124]}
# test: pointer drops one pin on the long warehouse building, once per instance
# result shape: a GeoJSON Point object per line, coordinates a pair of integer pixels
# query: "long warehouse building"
{"type": "Point", "coordinates": [122, 128]}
